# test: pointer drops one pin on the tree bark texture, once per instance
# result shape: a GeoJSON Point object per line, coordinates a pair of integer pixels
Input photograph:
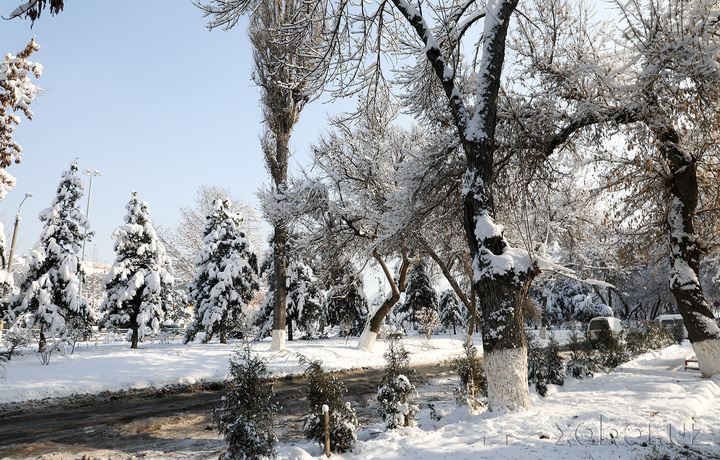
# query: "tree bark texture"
{"type": "Point", "coordinates": [280, 264]}
{"type": "Point", "coordinates": [367, 338]}
{"type": "Point", "coordinates": [686, 252]}
{"type": "Point", "coordinates": [134, 327]}
{"type": "Point", "coordinates": [500, 295]}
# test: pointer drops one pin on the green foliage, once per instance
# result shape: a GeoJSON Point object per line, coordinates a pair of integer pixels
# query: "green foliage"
{"type": "Point", "coordinates": [678, 333]}
{"type": "Point", "coordinates": [226, 279]}
{"type": "Point", "coordinates": [610, 349]}
{"type": "Point", "coordinates": [645, 336]}
{"type": "Point", "coordinates": [246, 417]}
{"type": "Point", "coordinates": [583, 362]}
{"type": "Point", "coordinates": [324, 389]}
{"type": "Point", "coordinates": [545, 366]}
{"type": "Point", "coordinates": [472, 376]}
{"type": "Point", "coordinates": [396, 385]}
{"type": "Point", "coordinates": [421, 300]}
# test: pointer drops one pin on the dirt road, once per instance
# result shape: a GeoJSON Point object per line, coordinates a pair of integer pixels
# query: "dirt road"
{"type": "Point", "coordinates": [165, 423]}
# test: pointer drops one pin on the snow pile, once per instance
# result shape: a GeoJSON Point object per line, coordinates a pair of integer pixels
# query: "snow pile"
{"type": "Point", "coordinates": [646, 408]}
{"type": "Point", "coordinates": [97, 367]}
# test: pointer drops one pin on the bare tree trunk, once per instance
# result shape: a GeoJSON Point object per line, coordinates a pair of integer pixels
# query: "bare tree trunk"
{"type": "Point", "coordinates": [369, 335]}
{"type": "Point", "coordinates": [685, 254]}
{"type": "Point", "coordinates": [280, 308]}
{"type": "Point", "coordinates": [134, 327]}
{"type": "Point", "coordinates": [543, 319]}
{"type": "Point", "coordinates": [223, 333]}
{"type": "Point", "coordinates": [501, 291]}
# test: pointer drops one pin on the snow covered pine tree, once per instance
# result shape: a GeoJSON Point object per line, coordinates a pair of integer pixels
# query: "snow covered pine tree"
{"type": "Point", "coordinates": [226, 278]}
{"type": "Point", "coordinates": [421, 302]}
{"type": "Point", "coordinates": [140, 281]}
{"type": "Point", "coordinates": [48, 293]}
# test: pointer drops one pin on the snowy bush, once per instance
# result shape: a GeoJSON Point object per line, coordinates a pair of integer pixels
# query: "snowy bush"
{"type": "Point", "coordinates": [396, 386]}
{"type": "Point", "coordinates": [611, 351]}
{"type": "Point", "coordinates": [545, 366]}
{"type": "Point", "coordinates": [15, 338]}
{"type": "Point", "coordinates": [247, 416]}
{"type": "Point", "coordinates": [325, 390]}
{"type": "Point", "coordinates": [583, 362]}
{"type": "Point", "coordinates": [472, 377]}
{"type": "Point", "coordinates": [644, 336]}
{"type": "Point", "coordinates": [61, 346]}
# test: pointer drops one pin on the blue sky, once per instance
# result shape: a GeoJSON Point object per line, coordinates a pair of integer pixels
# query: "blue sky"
{"type": "Point", "coordinates": [144, 93]}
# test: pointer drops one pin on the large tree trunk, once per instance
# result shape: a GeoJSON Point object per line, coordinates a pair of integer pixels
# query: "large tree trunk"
{"type": "Point", "coordinates": [369, 334]}
{"type": "Point", "coordinates": [279, 312]}
{"type": "Point", "coordinates": [685, 255]}
{"type": "Point", "coordinates": [500, 279]}
{"type": "Point", "coordinates": [223, 334]}
{"type": "Point", "coordinates": [501, 287]}
{"type": "Point", "coordinates": [134, 327]}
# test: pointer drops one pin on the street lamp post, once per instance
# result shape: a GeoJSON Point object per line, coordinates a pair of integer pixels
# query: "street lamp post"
{"type": "Point", "coordinates": [92, 173]}
{"type": "Point", "coordinates": [14, 237]}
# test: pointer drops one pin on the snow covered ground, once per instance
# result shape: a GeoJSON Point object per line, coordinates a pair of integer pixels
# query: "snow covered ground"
{"type": "Point", "coordinates": [649, 407]}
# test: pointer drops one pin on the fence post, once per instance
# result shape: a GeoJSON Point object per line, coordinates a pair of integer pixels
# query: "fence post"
{"type": "Point", "coordinates": [326, 412]}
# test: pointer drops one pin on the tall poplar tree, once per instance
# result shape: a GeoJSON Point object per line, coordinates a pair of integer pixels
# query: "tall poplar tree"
{"type": "Point", "coordinates": [281, 73]}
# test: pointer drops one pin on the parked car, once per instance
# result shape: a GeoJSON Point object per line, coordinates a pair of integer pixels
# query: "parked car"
{"type": "Point", "coordinates": [596, 325]}
{"type": "Point", "coordinates": [670, 321]}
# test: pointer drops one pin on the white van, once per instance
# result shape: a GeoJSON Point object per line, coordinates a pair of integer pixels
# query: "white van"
{"type": "Point", "coordinates": [596, 325]}
{"type": "Point", "coordinates": [670, 321]}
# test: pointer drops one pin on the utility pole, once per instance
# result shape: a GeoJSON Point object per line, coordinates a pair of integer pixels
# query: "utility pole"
{"type": "Point", "coordinates": [14, 237]}
{"type": "Point", "coordinates": [92, 173]}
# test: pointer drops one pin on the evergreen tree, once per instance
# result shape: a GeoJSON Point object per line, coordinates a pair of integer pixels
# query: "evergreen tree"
{"type": "Point", "coordinates": [451, 314]}
{"type": "Point", "coordinates": [396, 385]}
{"type": "Point", "coordinates": [139, 284]}
{"type": "Point", "coordinates": [304, 300]}
{"type": "Point", "coordinates": [226, 278]}
{"type": "Point", "coordinates": [247, 416]}
{"type": "Point", "coordinates": [304, 304]}
{"type": "Point", "coordinates": [48, 292]}
{"type": "Point", "coordinates": [420, 295]}
{"type": "Point", "coordinates": [346, 304]}
{"type": "Point", "coordinates": [325, 390]}
{"type": "Point", "coordinates": [472, 377]}
{"type": "Point", "coordinates": [262, 319]}
{"type": "Point", "coordinates": [545, 366]}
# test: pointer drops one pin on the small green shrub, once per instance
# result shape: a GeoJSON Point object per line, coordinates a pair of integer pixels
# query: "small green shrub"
{"type": "Point", "coordinates": [396, 386]}
{"type": "Point", "coordinates": [545, 366]}
{"type": "Point", "coordinates": [610, 349]}
{"type": "Point", "coordinates": [325, 390]}
{"type": "Point", "coordinates": [645, 336]}
{"type": "Point", "coordinates": [246, 417]}
{"type": "Point", "coordinates": [472, 377]}
{"type": "Point", "coordinates": [583, 360]}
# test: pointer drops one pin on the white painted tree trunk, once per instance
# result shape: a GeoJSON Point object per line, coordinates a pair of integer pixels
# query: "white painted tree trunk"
{"type": "Point", "coordinates": [543, 332]}
{"type": "Point", "coordinates": [508, 388]}
{"type": "Point", "coordinates": [278, 340]}
{"type": "Point", "coordinates": [707, 353]}
{"type": "Point", "coordinates": [367, 340]}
